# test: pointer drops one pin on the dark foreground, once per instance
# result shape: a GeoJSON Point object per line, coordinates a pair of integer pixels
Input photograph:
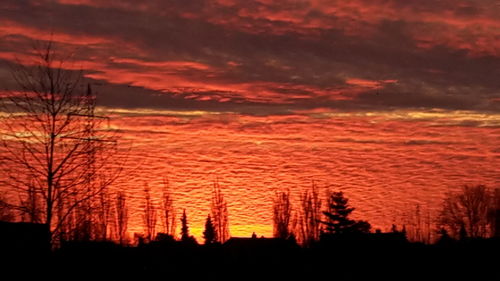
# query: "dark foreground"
{"type": "Point", "coordinates": [349, 258]}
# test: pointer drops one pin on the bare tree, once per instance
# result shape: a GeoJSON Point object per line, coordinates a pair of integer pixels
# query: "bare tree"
{"type": "Point", "coordinates": [6, 213]}
{"type": "Point", "coordinates": [495, 214]}
{"type": "Point", "coordinates": [149, 215]}
{"type": "Point", "coordinates": [102, 216]}
{"type": "Point", "coordinates": [30, 206]}
{"type": "Point", "coordinates": [219, 214]}
{"type": "Point", "coordinates": [310, 216]}
{"type": "Point", "coordinates": [121, 217]}
{"type": "Point", "coordinates": [467, 213]}
{"type": "Point", "coordinates": [53, 145]}
{"type": "Point", "coordinates": [282, 216]}
{"type": "Point", "coordinates": [169, 222]}
{"type": "Point", "coordinates": [417, 225]}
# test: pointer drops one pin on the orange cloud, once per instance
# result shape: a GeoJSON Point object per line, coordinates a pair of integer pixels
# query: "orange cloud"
{"type": "Point", "coordinates": [369, 83]}
{"type": "Point", "coordinates": [12, 28]}
{"type": "Point", "coordinates": [177, 65]}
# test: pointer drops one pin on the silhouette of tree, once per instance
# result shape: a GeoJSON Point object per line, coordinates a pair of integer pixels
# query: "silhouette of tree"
{"type": "Point", "coordinates": [209, 232]}
{"type": "Point", "coordinates": [444, 238]}
{"type": "Point", "coordinates": [139, 239]}
{"type": "Point", "coordinates": [219, 214]}
{"type": "Point", "coordinates": [468, 213]}
{"type": "Point", "coordinates": [121, 217]}
{"type": "Point", "coordinates": [495, 214]}
{"type": "Point", "coordinates": [310, 217]}
{"type": "Point", "coordinates": [185, 237]}
{"type": "Point", "coordinates": [165, 238]}
{"type": "Point", "coordinates": [149, 215]}
{"type": "Point", "coordinates": [169, 224]}
{"type": "Point", "coordinates": [56, 155]}
{"type": "Point", "coordinates": [282, 216]}
{"type": "Point", "coordinates": [184, 227]}
{"type": "Point", "coordinates": [418, 225]}
{"type": "Point", "coordinates": [101, 216]}
{"type": "Point", "coordinates": [5, 210]}
{"type": "Point", "coordinates": [337, 217]}
{"type": "Point", "coordinates": [30, 206]}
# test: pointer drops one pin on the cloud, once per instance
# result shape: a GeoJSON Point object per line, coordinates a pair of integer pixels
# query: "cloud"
{"type": "Point", "coordinates": [269, 56]}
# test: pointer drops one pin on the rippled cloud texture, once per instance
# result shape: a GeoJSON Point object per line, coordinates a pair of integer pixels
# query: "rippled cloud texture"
{"type": "Point", "coordinates": [265, 57]}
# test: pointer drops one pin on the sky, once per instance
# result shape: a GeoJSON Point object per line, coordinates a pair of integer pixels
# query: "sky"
{"type": "Point", "coordinates": [272, 57]}
{"type": "Point", "coordinates": [394, 101]}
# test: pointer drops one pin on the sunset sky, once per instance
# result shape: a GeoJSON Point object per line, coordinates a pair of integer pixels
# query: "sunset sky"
{"type": "Point", "coordinates": [392, 101]}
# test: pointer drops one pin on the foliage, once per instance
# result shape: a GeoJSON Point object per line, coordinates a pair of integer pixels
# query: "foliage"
{"type": "Point", "coordinates": [184, 227]}
{"type": "Point", "coordinates": [337, 217]}
{"type": "Point", "coordinates": [209, 232]}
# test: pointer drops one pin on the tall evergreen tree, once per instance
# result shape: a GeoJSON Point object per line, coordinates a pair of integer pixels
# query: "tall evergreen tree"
{"type": "Point", "coordinates": [184, 227]}
{"type": "Point", "coordinates": [337, 217]}
{"type": "Point", "coordinates": [209, 234]}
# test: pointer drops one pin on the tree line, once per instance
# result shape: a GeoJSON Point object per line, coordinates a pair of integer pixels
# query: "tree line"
{"type": "Point", "coordinates": [59, 159]}
{"type": "Point", "coordinates": [471, 212]}
{"type": "Point", "coordinates": [216, 226]}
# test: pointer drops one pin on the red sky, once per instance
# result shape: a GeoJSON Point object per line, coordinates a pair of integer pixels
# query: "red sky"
{"type": "Point", "coordinates": [304, 54]}
{"type": "Point", "coordinates": [387, 72]}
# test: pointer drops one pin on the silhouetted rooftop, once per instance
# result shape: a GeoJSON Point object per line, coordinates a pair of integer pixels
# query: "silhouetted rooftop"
{"type": "Point", "coordinates": [248, 242]}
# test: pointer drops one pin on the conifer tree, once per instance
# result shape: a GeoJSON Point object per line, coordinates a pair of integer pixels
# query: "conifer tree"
{"type": "Point", "coordinates": [184, 227]}
{"type": "Point", "coordinates": [209, 234]}
{"type": "Point", "coordinates": [337, 217]}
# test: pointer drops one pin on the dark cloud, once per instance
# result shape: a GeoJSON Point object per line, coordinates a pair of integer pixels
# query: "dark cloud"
{"type": "Point", "coordinates": [273, 58]}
